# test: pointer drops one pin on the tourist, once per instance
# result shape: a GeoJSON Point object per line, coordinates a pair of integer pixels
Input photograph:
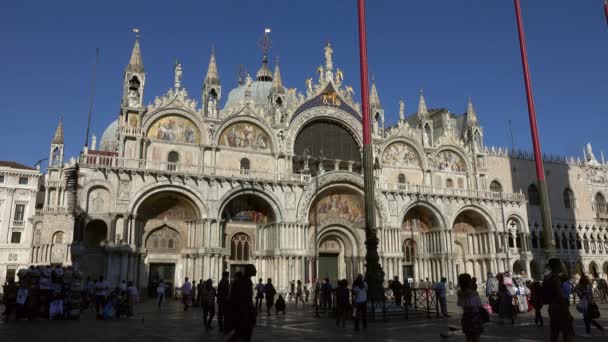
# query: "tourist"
{"type": "Point", "coordinates": [406, 291]}
{"type": "Point", "coordinates": [326, 291]}
{"type": "Point", "coordinates": [299, 293]}
{"type": "Point", "coordinates": [208, 303]}
{"type": "Point", "coordinates": [306, 292]}
{"type": "Point", "coordinates": [241, 305]}
{"type": "Point", "coordinates": [396, 288]}
{"type": "Point", "coordinates": [469, 301]}
{"type": "Point", "coordinates": [186, 293]}
{"type": "Point", "coordinates": [536, 299]}
{"type": "Point", "coordinates": [342, 303]}
{"type": "Point", "coordinates": [223, 290]}
{"type": "Point", "coordinates": [602, 287]}
{"type": "Point", "coordinates": [521, 293]}
{"type": "Point", "coordinates": [10, 290]}
{"type": "Point", "coordinates": [292, 291]}
{"type": "Point", "coordinates": [199, 293]}
{"type": "Point", "coordinates": [194, 294]}
{"type": "Point", "coordinates": [132, 298]}
{"type": "Point", "coordinates": [360, 293]}
{"type": "Point", "coordinates": [102, 289]}
{"type": "Point", "coordinates": [559, 312]}
{"type": "Point", "coordinates": [474, 280]}
{"type": "Point", "coordinates": [587, 305]}
{"type": "Point", "coordinates": [161, 291]}
{"type": "Point", "coordinates": [280, 305]}
{"type": "Point", "coordinates": [441, 291]}
{"type": "Point", "coordinates": [123, 286]}
{"type": "Point", "coordinates": [491, 285]}
{"type": "Point", "coordinates": [259, 295]}
{"type": "Point", "coordinates": [505, 299]}
{"type": "Point", "coordinates": [269, 293]}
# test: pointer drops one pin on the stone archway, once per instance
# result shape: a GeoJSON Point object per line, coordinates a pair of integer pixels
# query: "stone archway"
{"type": "Point", "coordinates": [593, 270]}
{"type": "Point", "coordinates": [472, 231]}
{"type": "Point", "coordinates": [337, 254]}
{"type": "Point", "coordinates": [422, 224]}
{"type": "Point", "coordinates": [92, 263]}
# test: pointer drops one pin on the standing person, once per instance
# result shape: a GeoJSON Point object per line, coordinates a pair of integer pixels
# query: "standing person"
{"type": "Point", "coordinates": [279, 305]}
{"type": "Point", "coordinates": [441, 291]}
{"type": "Point", "coordinates": [587, 305]}
{"type": "Point", "coordinates": [269, 293]}
{"type": "Point", "coordinates": [505, 300]}
{"type": "Point", "coordinates": [259, 295]}
{"type": "Point", "coordinates": [132, 298]}
{"type": "Point", "coordinates": [160, 293]}
{"type": "Point", "coordinates": [292, 291]}
{"type": "Point", "coordinates": [360, 293]}
{"type": "Point", "coordinates": [102, 288]}
{"type": "Point", "coordinates": [208, 303]}
{"type": "Point", "coordinates": [469, 301]}
{"type": "Point", "coordinates": [326, 291]}
{"type": "Point", "coordinates": [342, 303]}
{"type": "Point", "coordinates": [536, 299]}
{"type": "Point", "coordinates": [199, 292]}
{"type": "Point", "coordinates": [474, 283]}
{"type": "Point", "coordinates": [10, 298]}
{"type": "Point", "coordinates": [559, 312]}
{"type": "Point", "coordinates": [299, 293]}
{"type": "Point", "coordinates": [186, 292]}
{"type": "Point", "coordinates": [241, 305]}
{"type": "Point", "coordinates": [306, 292]}
{"type": "Point", "coordinates": [195, 294]}
{"type": "Point", "coordinates": [396, 288]}
{"type": "Point", "coordinates": [406, 291]}
{"type": "Point", "coordinates": [223, 290]}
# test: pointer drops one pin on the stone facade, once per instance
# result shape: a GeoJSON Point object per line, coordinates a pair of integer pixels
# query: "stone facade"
{"type": "Point", "coordinates": [18, 189]}
{"type": "Point", "coordinates": [274, 178]}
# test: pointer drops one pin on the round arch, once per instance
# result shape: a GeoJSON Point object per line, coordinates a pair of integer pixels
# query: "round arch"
{"type": "Point", "coordinates": [249, 120]}
{"type": "Point", "coordinates": [594, 271]}
{"type": "Point", "coordinates": [268, 198]}
{"type": "Point", "coordinates": [154, 116]}
{"type": "Point", "coordinates": [411, 143]}
{"type": "Point", "coordinates": [491, 225]}
{"type": "Point", "coordinates": [189, 192]}
{"type": "Point", "coordinates": [517, 267]}
{"type": "Point", "coordinates": [459, 151]}
{"type": "Point", "coordinates": [95, 233]}
{"type": "Point", "coordinates": [427, 206]}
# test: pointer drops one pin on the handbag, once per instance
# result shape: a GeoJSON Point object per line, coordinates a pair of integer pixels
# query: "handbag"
{"type": "Point", "coordinates": [485, 315]}
{"type": "Point", "coordinates": [593, 311]}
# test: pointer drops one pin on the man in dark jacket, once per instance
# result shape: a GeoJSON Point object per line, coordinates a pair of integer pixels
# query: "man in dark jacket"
{"type": "Point", "coordinates": [223, 289]}
{"type": "Point", "coordinates": [396, 288]}
{"type": "Point", "coordinates": [241, 305]}
{"type": "Point", "coordinates": [269, 293]}
{"type": "Point", "coordinates": [199, 293]}
{"type": "Point", "coordinates": [559, 312]}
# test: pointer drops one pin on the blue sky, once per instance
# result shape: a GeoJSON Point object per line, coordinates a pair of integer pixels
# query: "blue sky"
{"type": "Point", "coordinates": [451, 49]}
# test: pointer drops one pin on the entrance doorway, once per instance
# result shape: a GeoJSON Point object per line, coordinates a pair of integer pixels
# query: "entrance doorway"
{"type": "Point", "coordinates": [408, 273]}
{"type": "Point", "coordinates": [328, 267]}
{"type": "Point", "coordinates": [158, 272]}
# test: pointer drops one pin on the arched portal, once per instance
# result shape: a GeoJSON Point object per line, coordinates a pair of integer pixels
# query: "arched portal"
{"type": "Point", "coordinates": [518, 267]}
{"type": "Point", "coordinates": [593, 270]}
{"type": "Point", "coordinates": [421, 224]}
{"type": "Point", "coordinates": [93, 263]}
{"type": "Point", "coordinates": [472, 231]}
{"type": "Point", "coordinates": [336, 252]}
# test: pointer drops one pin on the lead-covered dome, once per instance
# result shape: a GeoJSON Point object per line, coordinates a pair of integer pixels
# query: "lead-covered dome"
{"type": "Point", "coordinates": [109, 139]}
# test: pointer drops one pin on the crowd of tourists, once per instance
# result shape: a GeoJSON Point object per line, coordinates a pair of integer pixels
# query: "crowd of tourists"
{"type": "Point", "coordinates": [55, 292]}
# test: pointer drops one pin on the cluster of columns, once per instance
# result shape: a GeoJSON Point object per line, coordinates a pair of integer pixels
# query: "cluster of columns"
{"type": "Point", "coordinates": [284, 236]}
{"type": "Point", "coordinates": [201, 266]}
{"type": "Point", "coordinates": [205, 233]}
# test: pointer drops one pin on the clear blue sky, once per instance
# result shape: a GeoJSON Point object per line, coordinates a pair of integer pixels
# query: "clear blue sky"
{"type": "Point", "coordinates": [451, 49]}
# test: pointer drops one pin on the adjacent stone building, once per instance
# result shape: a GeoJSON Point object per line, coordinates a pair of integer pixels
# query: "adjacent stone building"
{"type": "Point", "coordinates": [177, 188]}
{"type": "Point", "coordinates": [18, 190]}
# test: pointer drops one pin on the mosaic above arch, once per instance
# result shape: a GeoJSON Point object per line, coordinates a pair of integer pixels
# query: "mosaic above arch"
{"type": "Point", "coordinates": [338, 204]}
{"type": "Point", "coordinates": [247, 136]}
{"type": "Point", "coordinates": [450, 161]}
{"type": "Point", "coordinates": [176, 129]}
{"type": "Point", "coordinates": [400, 154]}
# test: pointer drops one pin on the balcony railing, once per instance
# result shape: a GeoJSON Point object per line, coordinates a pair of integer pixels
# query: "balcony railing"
{"type": "Point", "coordinates": [601, 210]}
{"type": "Point", "coordinates": [53, 210]}
{"type": "Point", "coordinates": [454, 192]}
{"type": "Point", "coordinates": [95, 161]}
{"type": "Point", "coordinates": [18, 223]}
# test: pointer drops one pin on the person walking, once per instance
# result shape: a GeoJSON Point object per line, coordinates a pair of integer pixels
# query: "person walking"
{"type": "Point", "coordinates": [161, 290]}
{"type": "Point", "coordinates": [199, 293]}
{"type": "Point", "coordinates": [360, 293]}
{"type": "Point", "coordinates": [259, 295]}
{"type": "Point", "coordinates": [469, 301]}
{"type": "Point", "coordinates": [241, 305]}
{"type": "Point", "coordinates": [10, 298]}
{"type": "Point", "coordinates": [441, 292]}
{"type": "Point", "coordinates": [102, 289]}
{"type": "Point", "coordinates": [292, 291]}
{"type": "Point", "coordinates": [536, 299]}
{"type": "Point", "coordinates": [299, 293]}
{"type": "Point", "coordinates": [342, 303]}
{"type": "Point", "coordinates": [587, 305]}
{"type": "Point", "coordinates": [223, 290]}
{"type": "Point", "coordinates": [269, 293]}
{"type": "Point", "coordinates": [559, 312]}
{"type": "Point", "coordinates": [186, 293]}
{"type": "Point", "coordinates": [194, 294]}
{"type": "Point", "coordinates": [132, 298]}
{"type": "Point", "coordinates": [396, 287]}
{"type": "Point", "coordinates": [208, 303]}
{"type": "Point", "coordinates": [306, 292]}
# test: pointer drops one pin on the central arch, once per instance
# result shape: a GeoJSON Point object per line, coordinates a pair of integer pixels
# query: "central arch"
{"type": "Point", "coordinates": [338, 252]}
{"type": "Point", "coordinates": [421, 225]}
{"type": "Point", "coordinates": [472, 231]}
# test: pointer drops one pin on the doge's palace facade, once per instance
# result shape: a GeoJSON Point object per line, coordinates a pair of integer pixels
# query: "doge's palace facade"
{"type": "Point", "coordinates": [176, 188]}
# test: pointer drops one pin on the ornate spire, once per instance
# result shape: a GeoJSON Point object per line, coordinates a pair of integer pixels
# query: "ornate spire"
{"type": "Point", "coordinates": [264, 74]}
{"type": "Point", "coordinates": [374, 99]}
{"type": "Point", "coordinates": [422, 110]}
{"type": "Point", "coordinates": [277, 83]}
{"type": "Point", "coordinates": [471, 115]}
{"type": "Point", "coordinates": [213, 76]}
{"type": "Point", "coordinates": [58, 138]}
{"type": "Point", "coordinates": [135, 63]}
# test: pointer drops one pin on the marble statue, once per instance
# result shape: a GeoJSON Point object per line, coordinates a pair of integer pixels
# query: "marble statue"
{"type": "Point", "coordinates": [178, 75]}
{"type": "Point", "coordinates": [328, 56]}
{"type": "Point", "coordinates": [401, 110]}
{"type": "Point", "coordinates": [133, 98]}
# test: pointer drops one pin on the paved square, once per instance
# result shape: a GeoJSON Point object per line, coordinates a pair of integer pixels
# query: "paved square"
{"type": "Point", "coordinates": [173, 324]}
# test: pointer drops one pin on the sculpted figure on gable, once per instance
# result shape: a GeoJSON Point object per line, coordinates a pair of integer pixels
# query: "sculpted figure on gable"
{"type": "Point", "coordinates": [400, 154]}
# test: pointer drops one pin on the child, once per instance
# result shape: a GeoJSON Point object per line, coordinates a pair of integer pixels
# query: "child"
{"type": "Point", "coordinates": [280, 305]}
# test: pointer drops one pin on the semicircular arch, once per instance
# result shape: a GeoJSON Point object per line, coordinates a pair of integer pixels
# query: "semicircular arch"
{"type": "Point", "coordinates": [481, 212]}
{"type": "Point", "coordinates": [234, 122]}
{"type": "Point", "coordinates": [429, 207]}
{"type": "Point", "coordinates": [459, 151]}
{"type": "Point", "coordinates": [268, 197]}
{"type": "Point", "coordinates": [409, 143]}
{"type": "Point", "coordinates": [150, 120]}
{"type": "Point", "coordinates": [189, 192]}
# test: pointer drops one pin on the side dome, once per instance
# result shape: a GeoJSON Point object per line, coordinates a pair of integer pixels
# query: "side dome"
{"type": "Point", "coordinates": [260, 90]}
{"type": "Point", "coordinates": [109, 139]}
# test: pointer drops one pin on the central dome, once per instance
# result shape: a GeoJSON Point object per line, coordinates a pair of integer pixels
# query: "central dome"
{"type": "Point", "coordinates": [260, 91]}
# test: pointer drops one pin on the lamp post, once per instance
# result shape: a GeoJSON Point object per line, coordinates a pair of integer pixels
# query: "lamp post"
{"type": "Point", "coordinates": [374, 274]}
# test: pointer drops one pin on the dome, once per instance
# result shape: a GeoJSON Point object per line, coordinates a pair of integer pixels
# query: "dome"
{"type": "Point", "coordinates": [260, 90]}
{"type": "Point", "coordinates": [109, 138]}
{"type": "Point", "coordinates": [264, 74]}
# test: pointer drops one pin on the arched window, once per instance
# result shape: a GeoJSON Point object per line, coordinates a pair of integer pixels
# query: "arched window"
{"type": "Point", "coordinates": [533, 195]}
{"type": "Point", "coordinates": [401, 178]}
{"type": "Point", "coordinates": [569, 200]}
{"type": "Point", "coordinates": [245, 166]}
{"type": "Point", "coordinates": [58, 237]}
{"type": "Point", "coordinates": [239, 247]}
{"type": "Point", "coordinates": [495, 186]}
{"type": "Point", "coordinates": [600, 204]}
{"type": "Point", "coordinates": [172, 159]}
{"type": "Point", "coordinates": [449, 183]}
{"type": "Point", "coordinates": [409, 250]}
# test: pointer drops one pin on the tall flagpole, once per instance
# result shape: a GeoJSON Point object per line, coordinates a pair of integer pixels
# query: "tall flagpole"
{"type": "Point", "coordinates": [606, 9]}
{"type": "Point", "coordinates": [373, 273]}
{"type": "Point", "coordinates": [540, 170]}
{"type": "Point", "coordinates": [86, 140]}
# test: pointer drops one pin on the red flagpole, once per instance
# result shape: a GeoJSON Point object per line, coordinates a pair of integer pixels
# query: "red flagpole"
{"type": "Point", "coordinates": [606, 9]}
{"type": "Point", "coordinates": [540, 171]}
{"type": "Point", "coordinates": [367, 132]}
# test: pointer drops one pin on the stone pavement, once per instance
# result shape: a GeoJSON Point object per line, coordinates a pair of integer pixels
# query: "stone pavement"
{"type": "Point", "coordinates": [173, 324]}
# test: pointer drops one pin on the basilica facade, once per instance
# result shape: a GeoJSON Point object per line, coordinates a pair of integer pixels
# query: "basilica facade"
{"type": "Point", "coordinates": [178, 187]}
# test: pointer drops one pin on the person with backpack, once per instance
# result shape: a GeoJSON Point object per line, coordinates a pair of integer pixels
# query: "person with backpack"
{"type": "Point", "coordinates": [360, 294]}
{"type": "Point", "coordinates": [468, 299]}
{"type": "Point", "coordinates": [587, 305]}
{"type": "Point", "coordinates": [269, 293]}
